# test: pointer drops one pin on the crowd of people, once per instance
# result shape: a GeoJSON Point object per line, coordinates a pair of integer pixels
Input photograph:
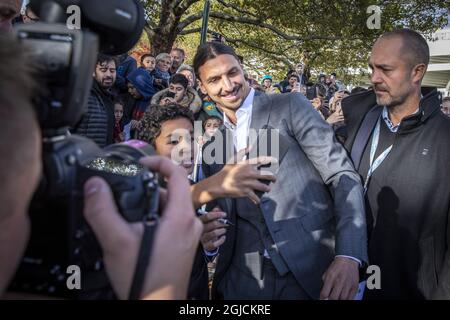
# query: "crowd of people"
{"type": "Point", "coordinates": [363, 178]}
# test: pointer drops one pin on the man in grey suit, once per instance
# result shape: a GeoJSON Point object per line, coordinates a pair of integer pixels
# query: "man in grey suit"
{"type": "Point", "coordinates": [306, 237]}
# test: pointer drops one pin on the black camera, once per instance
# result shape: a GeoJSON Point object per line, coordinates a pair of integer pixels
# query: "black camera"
{"type": "Point", "coordinates": [65, 59]}
{"type": "Point", "coordinates": [171, 94]}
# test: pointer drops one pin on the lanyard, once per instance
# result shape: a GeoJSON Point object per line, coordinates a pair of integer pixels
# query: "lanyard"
{"type": "Point", "coordinates": [375, 164]}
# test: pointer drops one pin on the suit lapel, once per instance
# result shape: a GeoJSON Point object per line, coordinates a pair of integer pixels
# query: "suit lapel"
{"type": "Point", "coordinates": [262, 106]}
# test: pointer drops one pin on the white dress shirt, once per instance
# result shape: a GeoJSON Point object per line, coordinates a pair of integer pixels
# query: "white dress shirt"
{"type": "Point", "coordinates": [244, 117]}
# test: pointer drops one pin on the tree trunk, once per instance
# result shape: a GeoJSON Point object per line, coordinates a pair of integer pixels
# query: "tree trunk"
{"type": "Point", "coordinates": [164, 35]}
{"type": "Point", "coordinates": [161, 42]}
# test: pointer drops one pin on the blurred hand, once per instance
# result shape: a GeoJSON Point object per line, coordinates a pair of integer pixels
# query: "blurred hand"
{"type": "Point", "coordinates": [340, 281]}
{"type": "Point", "coordinates": [317, 103]}
{"type": "Point", "coordinates": [242, 179]}
{"type": "Point", "coordinates": [339, 95]}
{"type": "Point", "coordinates": [167, 101]}
{"type": "Point", "coordinates": [335, 117]}
{"type": "Point", "coordinates": [175, 242]}
{"type": "Point", "coordinates": [296, 88]}
{"type": "Point", "coordinates": [214, 231]}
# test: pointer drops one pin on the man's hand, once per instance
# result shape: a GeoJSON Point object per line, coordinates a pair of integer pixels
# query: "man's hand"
{"type": "Point", "coordinates": [235, 180]}
{"type": "Point", "coordinates": [335, 117]}
{"type": "Point", "coordinates": [242, 179]}
{"type": "Point", "coordinates": [175, 242]}
{"type": "Point", "coordinates": [317, 103]}
{"type": "Point", "coordinates": [340, 281]}
{"type": "Point", "coordinates": [167, 101]}
{"type": "Point", "coordinates": [214, 231]}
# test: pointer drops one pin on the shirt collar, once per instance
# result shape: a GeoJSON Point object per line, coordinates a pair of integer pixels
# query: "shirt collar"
{"type": "Point", "coordinates": [245, 108]}
{"type": "Point", "coordinates": [390, 125]}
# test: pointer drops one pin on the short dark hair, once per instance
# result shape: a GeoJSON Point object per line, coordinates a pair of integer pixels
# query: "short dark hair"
{"type": "Point", "coordinates": [179, 78]}
{"type": "Point", "coordinates": [180, 50]}
{"type": "Point", "coordinates": [155, 117]}
{"type": "Point", "coordinates": [290, 71]}
{"type": "Point", "coordinates": [209, 51]}
{"type": "Point", "coordinates": [145, 55]}
{"type": "Point", "coordinates": [414, 45]}
{"type": "Point", "coordinates": [102, 58]}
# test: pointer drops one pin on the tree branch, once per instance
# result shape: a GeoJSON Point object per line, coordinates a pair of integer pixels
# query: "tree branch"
{"type": "Point", "coordinates": [189, 31]}
{"type": "Point", "coordinates": [165, 13]}
{"type": "Point", "coordinates": [183, 6]}
{"type": "Point", "coordinates": [259, 23]}
{"type": "Point", "coordinates": [274, 54]}
{"type": "Point", "coordinates": [191, 19]}
{"type": "Point", "coordinates": [150, 31]}
{"type": "Point", "coordinates": [236, 8]}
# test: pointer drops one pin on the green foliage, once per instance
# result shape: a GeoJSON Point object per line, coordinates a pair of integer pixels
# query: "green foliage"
{"type": "Point", "coordinates": [273, 36]}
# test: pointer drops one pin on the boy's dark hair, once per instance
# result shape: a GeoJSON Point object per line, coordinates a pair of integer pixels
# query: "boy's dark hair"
{"type": "Point", "coordinates": [208, 51]}
{"type": "Point", "coordinates": [145, 55]}
{"type": "Point", "coordinates": [104, 58]}
{"type": "Point", "coordinates": [211, 118]}
{"type": "Point", "coordinates": [154, 118]}
{"type": "Point", "coordinates": [179, 78]}
{"type": "Point", "coordinates": [294, 75]}
{"type": "Point", "coordinates": [289, 73]}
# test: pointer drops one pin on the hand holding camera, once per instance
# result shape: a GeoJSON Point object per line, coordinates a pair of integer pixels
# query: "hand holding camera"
{"type": "Point", "coordinates": [215, 228]}
{"type": "Point", "coordinates": [120, 240]}
{"type": "Point", "coordinates": [60, 235]}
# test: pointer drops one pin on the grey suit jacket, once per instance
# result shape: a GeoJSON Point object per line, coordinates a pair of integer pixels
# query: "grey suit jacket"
{"type": "Point", "coordinates": [315, 209]}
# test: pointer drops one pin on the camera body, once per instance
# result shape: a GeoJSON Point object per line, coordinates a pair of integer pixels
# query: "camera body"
{"type": "Point", "coordinates": [60, 236]}
{"type": "Point", "coordinates": [171, 94]}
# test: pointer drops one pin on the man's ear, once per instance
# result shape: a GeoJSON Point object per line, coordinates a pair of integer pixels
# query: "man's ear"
{"type": "Point", "coordinates": [418, 72]}
{"type": "Point", "coordinates": [202, 87]}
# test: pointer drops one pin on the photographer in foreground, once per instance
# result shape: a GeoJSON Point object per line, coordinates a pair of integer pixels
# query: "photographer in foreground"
{"type": "Point", "coordinates": [175, 240]}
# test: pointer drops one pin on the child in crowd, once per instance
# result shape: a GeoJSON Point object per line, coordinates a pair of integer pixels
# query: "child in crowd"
{"type": "Point", "coordinates": [121, 131]}
{"type": "Point", "coordinates": [148, 62]}
{"type": "Point", "coordinates": [167, 128]}
{"type": "Point", "coordinates": [211, 125]}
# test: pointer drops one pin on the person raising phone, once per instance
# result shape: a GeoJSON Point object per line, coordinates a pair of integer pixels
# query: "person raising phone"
{"type": "Point", "coordinates": [179, 93]}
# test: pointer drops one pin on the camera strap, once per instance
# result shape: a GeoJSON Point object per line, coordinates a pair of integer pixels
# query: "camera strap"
{"type": "Point", "coordinates": [142, 261]}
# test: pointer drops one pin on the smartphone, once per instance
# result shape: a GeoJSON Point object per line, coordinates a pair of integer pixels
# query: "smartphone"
{"type": "Point", "coordinates": [311, 93]}
{"type": "Point", "coordinates": [170, 94]}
